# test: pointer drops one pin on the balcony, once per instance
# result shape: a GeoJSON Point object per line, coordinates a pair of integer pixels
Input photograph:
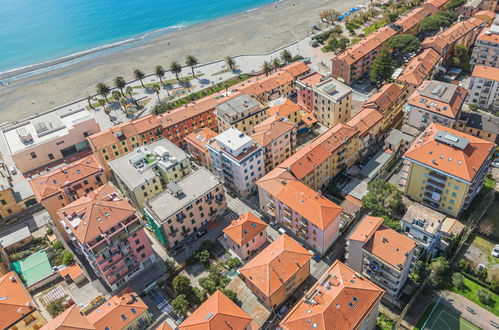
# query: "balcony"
{"type": "Point", "coordinates": [438, 177]}
{"type": "Point", "coordinates": [173, 233]}
{"type": "Point", "coordinates": [436, 183]}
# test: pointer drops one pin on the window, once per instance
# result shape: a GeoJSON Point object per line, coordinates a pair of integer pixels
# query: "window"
{"type": "Point", "coordinates": [123, 317]}
{"type": "Point", "coordinates": [33, 155]}
{"type": "Point", "coordinates": [85, 182]}
{"type": "Point", "coordinates": [51, 156]}
{"type": "Point", "coordinates": [456, 187]}
{"type": "Point", "coordinates": [451, 202]}
{"type": "Point", "coordinates": [137, 241]}
{"type": "Point", "coordinates": [3, 202]}
{"type": "Point", "coordinates": [454, 194]}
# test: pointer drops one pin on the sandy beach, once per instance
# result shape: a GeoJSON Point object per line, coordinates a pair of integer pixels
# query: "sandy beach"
{"type": "Point", "coordinates": [258, 31]}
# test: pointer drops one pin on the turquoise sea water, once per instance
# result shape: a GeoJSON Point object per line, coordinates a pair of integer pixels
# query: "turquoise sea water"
{"type": "Point", "coordinates": [35, 31]}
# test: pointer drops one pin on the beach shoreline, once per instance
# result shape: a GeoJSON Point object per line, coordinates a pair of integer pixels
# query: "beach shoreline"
{"type": "Point", "coordinates": [258, 30]}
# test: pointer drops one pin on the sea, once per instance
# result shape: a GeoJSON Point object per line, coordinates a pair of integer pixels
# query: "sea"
{"type": "Point", "coordinates": [36, 35]}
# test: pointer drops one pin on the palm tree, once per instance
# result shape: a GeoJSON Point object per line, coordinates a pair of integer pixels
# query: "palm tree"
{"type": "Point", "coordinates": [266, 68]}
{"type": "Point", "coordinates": [102, 102]}
{"type": "Point", "coordinates": [123, 103]}
{"type": "Point", "coordinates": [139, 75]}
{"type": "Point", "coordinates": [129, 91]}
{"type": "Point", "coordinates": [120, 83]}
{"type": "Point", "coordinates": [276, 64]}
{"type": "Point", "coordinates": [176, 68]}
{"type": "Point", "coordinates": [286, 56]}
{"type": "Point", "coordinates": [159, 71]}
{"type": "Point", "coordinates": [116, 95]}
{"type": "Point", "coordinates": [192, 62]}
{"type": "Point", "coordinates": [89, 101]}
{"type": "Point", "coordinates": [107, 111]}
{"type": "Point", "coordinates": [231, 63]}
{"type": "Point", "coordinates": [103, 90]}
{"type": "Point", "coordinates": [156, 90]}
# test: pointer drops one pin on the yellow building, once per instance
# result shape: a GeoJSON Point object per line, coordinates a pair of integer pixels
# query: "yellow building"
{"type": "Point", "coordinates": [445, 169]}
{"type": "Point", "coordinates": [332, 102]}
{"type": "Point", "coordinates": [389, 100]}
{"type": "Point", "coordinates": [286, 108]}
{"type": "Point", "coordinates": [242, 112]}
{"type": "Point", "coordinates": [8, 204]}
{"type": "Point", "coordinates": [17, 309]}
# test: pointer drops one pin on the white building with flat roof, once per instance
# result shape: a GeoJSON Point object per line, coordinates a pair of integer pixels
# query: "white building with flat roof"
{"type": "Point", "coordinates": [48, 138]}
{"type": "Point", "coordinates": [237, 160]}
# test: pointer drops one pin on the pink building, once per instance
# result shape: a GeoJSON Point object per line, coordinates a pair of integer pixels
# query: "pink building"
{"type": "Point", "coordinates": [245, 235]}
{"type": "Point", "coordinates": [305, 92]}
{"type": "Point", "coordinates": [106, 228]}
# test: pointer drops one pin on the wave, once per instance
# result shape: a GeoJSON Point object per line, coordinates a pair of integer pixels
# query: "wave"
{"type": "Point", "coordinates": [11, 75]}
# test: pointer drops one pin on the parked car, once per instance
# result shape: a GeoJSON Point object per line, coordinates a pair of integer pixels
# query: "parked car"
{"type": "Point", "coordinates": [202, 232]}
{"type": "Point", "coordinates": [178, 250]}
{"type": "Point", "coordinates": [190, 239]}
{"type": "Point", "coordinates": [13, 170]}
{"type": "Point", "coordinates": [495, 164]}
{"type": "Point", "coordinates": [282, 311]}
{"type": "Point", "coordinates": [495, 251]}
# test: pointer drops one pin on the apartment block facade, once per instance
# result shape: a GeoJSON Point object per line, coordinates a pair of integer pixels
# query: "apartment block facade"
{"type": "Point", "coordinates": [304, 90]}
{"type": "Point", "coordinates": [107, 230]}
{"type": "Point", "coordinates": [445, 168]}
{"type": "Point", "coordinates": [245, 235]}
{"type": "Point", "coordinates": [486, 48]}
{"type": "Point", "coordinates": [185, 206]}
{"type": "Point", "coordinates": [237, 160]}
{"type": "Point", "coordinates": [484, 87]}
{"type": "Point", "coordinates": [241, 113]}
{"type": "Point", "coordinates": [423, 66]}
{"type": "Point", "coordinates": [286, 108]}
{"type": "Point", "coordinates": [389, 100]}
{"type": "Point", "coordinates": [332, 102]}
{"type": "Point", "coordinates": [382, 255]}
{"type": "Point", "coordinates": [196, 145]}
{"type": "Point", "coordinates": [49, 138]}
{"type": "Point", "coordinates": [145, 172]}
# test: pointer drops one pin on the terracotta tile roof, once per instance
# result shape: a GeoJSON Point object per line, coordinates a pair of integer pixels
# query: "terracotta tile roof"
{"type": "Point", "coordinates": [271, 129]}
{"type": "Point", "coordinates": [53, 182]}
{"type": "Point", "coordinates": [436, 3]}
{"type": "Point", "coordinates": [312, 79]}
{"type": "Point", "coordinates": [309, 119]}
{"type": "Point", "coordinates": [342, 300]}
{"type": "Point", "coordinates": [451, 35]}
{"type": "Point", "coordinates": [15, 300]}
{"type": "Point", "coordinates": [488, 37]}
{"type": "Point", "coordinates": [284, 109]}
{"type": "Point", "coordinates": [71, 319]}
{"type": "Point", "coordinates": [420, 67]}
{"type": "Point", "coordinates": [486, 15]}
{"type": "Point", "coordinates": [448, 105]}
{"type": "Point", "coordinates": [365, 120]}
{"type": "Point", "coordinates": [272, 267]}
{"type": "Point", "coordinates": [268, 83]}
{"type": "Point", "coordinates": [119, 311]}
{"type": "Point", "coordinates": [275, 180]}
{"type": "Point", "coordinates": [461, 163]}
{"type": "Point", "coordinates": [366, 228]}
{"type": "Point", "coordinates": [97, 212]}
{"type": "Point", "coordinates": [385, 97]}
{"type": "Point", "coordinates": [412, 18]}
{"type": "Point", "coordinates": [164, 326]}
{"type": "Point", "coordinates": [486, 72]}
{"type": "Point", "coordinates": [217, 313]}
{"type": "Point", "coordinates": [315, 153]}
{"type": "Point", "coordinates": [132, 128]}
{"type": "Point", "coordinates": [243, 229]}
{"type": "Point", "coordinates": [309, 204]}
{"type": "Point", "coordinates": [366, 45]}
{"type": "Point", "coordinates": [296, 68]}
{"type": "Point", "coordinates": [188, 111]}
{"type": "Point", "coordinates": [73, 271]}
{"type": "Point", "coordinates": [390, 246]}
{"type": "Point", "coordinates": [201, 137]}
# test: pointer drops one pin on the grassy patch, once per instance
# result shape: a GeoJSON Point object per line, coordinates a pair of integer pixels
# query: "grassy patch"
{"type": "Point", "coordinates": [469, 290]}
{"type": "Point", "coordinates": [383, 322]}
{"type": "Point", "coordinates": [483, 244]}
{"type": "Point", "coordinates": [355, 40]}
{"type": "Point", "coordinates": [370, 29]}
{"type": "Point", "coordinates": [222, 71]}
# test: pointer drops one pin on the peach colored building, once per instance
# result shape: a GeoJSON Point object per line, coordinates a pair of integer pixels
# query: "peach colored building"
{"type": "Point", "coordinates": [107, 229]}
{"type": "Point", "coordinates": [439, 4]}
{"type": "Point", "coordinates": [287, 109]}
{"type": "Point", "coordinates": [196, 145]}
{"type": "Point", "coordinates": [277, 137]}
{"type": "Point", "coordinates": [389, 101]}
{"type": "Point", "coordinates": [245, 235]}
{"type": "Point", "coordinates": [185, 207]}
{"type": "Point", "coordinates": [340, 298]}
{"type": "Point", "coordinates": [381, 254]}
{"type": "Point", "coordinates": [354, 62]}
{"type": "Point", "coordinates": [276, 272]}
{"type": "Point", "coordinates": [66, 184]}
{"type": "Point", "coordinates": [49, 138]}
{"type": "Point", "coordinates": [218, 313]}
{"type": "Point", "coordinates": [305, 94]}
{"type": "Point", "coordinates": [123, 311]}
{"type": "Point", "coordinates": [424, 66]}
{"type": "Point", "coordinates": [71, 319]}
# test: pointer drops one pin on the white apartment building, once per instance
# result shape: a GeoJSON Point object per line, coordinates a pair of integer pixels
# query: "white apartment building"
{"type": "Point", "coordinates": [237, 160]}
{"type": "Point", "coordinates": [484, 87]}
{"type": "Point", "coordinates": [382, 255]}
{"type": "Point", "coordinates": [486, 49]}
{"type": "Point", "coordinates": [48, 138]}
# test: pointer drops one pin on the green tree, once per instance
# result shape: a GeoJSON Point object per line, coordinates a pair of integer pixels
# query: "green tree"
{"type": "Point", "coordinates": [383, 199]}
{"type": "Point", "coordinates": [116, 95]}
{"type": "Point", "coordinates": [159, 71]}
{"type": "Point", "coordinates": [233, 262]}
{"type": "Point", "coordinates": [441, 19]}
{"type": "Point", "coordinates": [202, 256]}
{"type": "Point", "coordinates": [129, 91]}
{"type": "Point", "coordinates": [191, 62]}
{"type": "Point", "coordinates": [103, 90]}
{"type": "Point", "coordinates": [382, 66]}
{"type": "Point", "coordinates": [56, 307]}
{"type": "Point", "coordinates": [209, 284]}
{"type": "Point", "coordinates": [473, 107]}
{"type": "Point", "coordinates": [181, 285]}
{"type": "Point", "coordinates": [89, 100]}
{"type": "Point", "coordinates": [180, 305]}
{"type": "Point", "coordinates": [200, 295]}
{"type": "Point", "coordinates": [67, 258]}
{"type": "Point", "coordinates": [438, 268]}
{"type": "Point", "coordinates": [176, 68]}
{"type": "Point", "coordinates": [286, 56]}
{"type": "Point", "coordinates": [461, 57]}
{"type": "Point", "coordinates": [139, 75]}
{"type": "Point", "coordinates": [457, 280]}
{"type": "Point", "coordinates": [156, 90]}
{"type": "Point", "coordinates": [419, 271]}
{"type": "Point", "coordinates": [404, 43]}
{"type": "Point", "coordinates": [120, 83]}
{"type": "Point", "coordinates": [276, 64]}
{"type": "Point", "coordinates": [343, 43]}
{"type": "Point", "coordinates": [266, 68]}
{"type": "Point", "coordinates": [229, 294]}
{"type": "Point", "coordinates": [392, 17]}
{"type": "Point", "coordinates": [231, 63]}
{"type": "Point", "coordinates": [484, 296]}
{"type": "Point", "coordinates": [452, 4]}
